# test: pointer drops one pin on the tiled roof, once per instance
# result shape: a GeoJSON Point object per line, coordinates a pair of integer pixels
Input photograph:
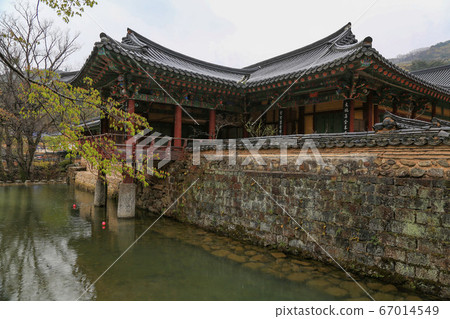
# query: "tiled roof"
{"type": "Point", "coordinates": [67, 76]}
{"type": "Point", "coordinates": [438, 75]}
{"type": "Point", "coordinates": [336, 46]}
{"type": "Point", "coordinates": [149, 52]}
{"type": "Point", "coordinates": [337, 49]}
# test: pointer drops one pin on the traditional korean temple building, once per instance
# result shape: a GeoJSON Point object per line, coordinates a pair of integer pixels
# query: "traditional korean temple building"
{"type": "Point", "coordinates": [337, 84]}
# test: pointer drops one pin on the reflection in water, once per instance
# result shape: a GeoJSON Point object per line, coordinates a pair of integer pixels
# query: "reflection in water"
{"type": "Point", "coordinates": [48, 251]}
{"type": "Point", "coordinates": [36, 260]}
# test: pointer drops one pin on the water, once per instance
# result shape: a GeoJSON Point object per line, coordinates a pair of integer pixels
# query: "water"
{"type": "Point", "coordinates": [49, 251]}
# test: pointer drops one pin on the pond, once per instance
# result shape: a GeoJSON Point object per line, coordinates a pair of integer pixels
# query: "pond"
{"type": "Point", "coordinates": [51, 251]}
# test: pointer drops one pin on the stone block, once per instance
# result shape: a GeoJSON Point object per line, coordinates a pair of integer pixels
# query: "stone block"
{"type": "Point", "coordinates": [438, 205]}
{"type": "Point", "coordinates": [443, 163]}
{"type": "Point", "coordinates": [406, 242]}
{"type": "Point", "coordinates": [428, 218]}
{"type": "Point", "coordinates": [419, 203]}
{"type": "Point", "coordinates": [427, 273]}
{"type": "Point", "coordinates": [438, 233]}
{"type": "Point", "coordinates": [405, 215]}
{"type": "Point", "coordinates": [404, 269]}
{"type": "Point", "coordinates": [384, 212]}
{"type": "Point", "coordinates": [395, 253]}
{"type": "Point", "coordinates": [446, 220]}
{"type": "Point", "coordinates": [358, 247]}
{"type": "Point", "coordinates": [407, 191]}
{"type": "Point", "coordinates": [377, 224]}
{"type": "Point", "coordinates": [444, 277]}
{"type": "Point", "coordinates": [424, 163]}
{"type": "Point", "coordinates": [417, 172]}
{"type": "Point", "coordinates": [408, 163]}
{"type": "Point", "coordinates": [388, 190]}
{"type": "Point", "coordinates": [417, 258]}
{"type": "Point", "coordinates": [424, 192]}
{"type": "Point", "coordinates": [435, 172]}
{"type": "Point", "coordinates": [375, 249]}
{"type": "Point", "coordinates": [426, 246]}
{"type": "Point", "coordinates": [410, 229]}
{"type": "Point", "coordinates": [402, 172]}
{"type": "Point", "coordinates": [387, 239]}
{"type": "Point", "coordinates": [367, 188]}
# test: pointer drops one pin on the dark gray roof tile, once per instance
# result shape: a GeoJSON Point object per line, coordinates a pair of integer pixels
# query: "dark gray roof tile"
{"type": "Point", "coordinates": [439, 76]}
{"type": "Point", "coordinates": [336, 49]}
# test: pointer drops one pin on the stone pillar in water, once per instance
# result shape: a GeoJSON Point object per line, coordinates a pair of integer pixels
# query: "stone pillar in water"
{"type": "Point", "coordinates": [127, 200]}
{"type": "Point", "coordinates": [126, 205]}
{"type": "Point", "coordinates": [100, 192]}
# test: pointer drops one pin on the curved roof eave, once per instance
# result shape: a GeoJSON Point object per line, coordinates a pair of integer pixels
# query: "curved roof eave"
{"type": "Point", "coordinates": [344, 47]}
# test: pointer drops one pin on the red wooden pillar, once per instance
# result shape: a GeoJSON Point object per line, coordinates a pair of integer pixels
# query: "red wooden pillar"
{"type": "Point", "coordinates": [177, 126]}
{"type": "Point", "coordinates": [433, 110]}
{"type": "Point", "coordinates": [285, 121]}
{"type": "Point", "coordinates": [130, 106]}
{"type": "Point", "coordinates": [370, 112]}
{"type": "Point", "coordinates": [212, 124]}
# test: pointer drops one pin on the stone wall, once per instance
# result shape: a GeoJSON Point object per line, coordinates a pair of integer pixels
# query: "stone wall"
{"type": "Point", "coordinates": [383, 212]}
{"type": "Point", "coordinates": [86, 180]}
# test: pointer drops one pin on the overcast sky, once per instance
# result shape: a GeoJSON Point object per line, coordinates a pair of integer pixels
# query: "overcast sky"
{"type": "Point", "coordinates": [238, 33]}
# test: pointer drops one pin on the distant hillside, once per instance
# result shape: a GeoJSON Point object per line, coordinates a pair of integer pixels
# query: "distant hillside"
{"type": "Point", "coordinates": [436, 55]}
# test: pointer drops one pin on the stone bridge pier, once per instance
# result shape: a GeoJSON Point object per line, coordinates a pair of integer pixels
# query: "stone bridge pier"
{"type": "Point", "coordinates": [100, 190]}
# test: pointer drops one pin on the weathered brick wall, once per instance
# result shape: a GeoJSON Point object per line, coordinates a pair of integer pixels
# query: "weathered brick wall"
{"type": "Point", "coordinates": [382, 212]}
